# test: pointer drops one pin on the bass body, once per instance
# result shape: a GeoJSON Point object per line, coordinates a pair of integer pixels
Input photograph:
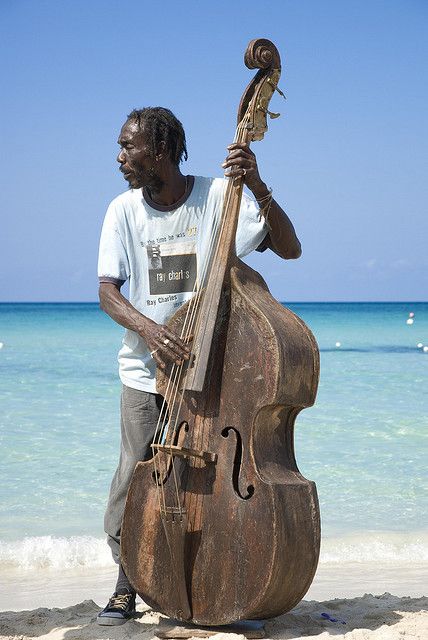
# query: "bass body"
{"type": "Point", "coordinates": [245, 542]}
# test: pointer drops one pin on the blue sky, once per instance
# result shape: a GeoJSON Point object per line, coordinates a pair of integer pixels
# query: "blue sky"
{"type": "Point", "coordinates": [347, 159]}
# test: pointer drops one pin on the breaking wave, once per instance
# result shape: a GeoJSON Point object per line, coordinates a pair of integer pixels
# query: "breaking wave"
{"type": "Point", "coordinates": [48, 552]}
{"type": "Point", "coordinates": [78, 552]}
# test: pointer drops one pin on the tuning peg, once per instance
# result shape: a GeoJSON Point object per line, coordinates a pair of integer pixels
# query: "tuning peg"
{"type": "Point", "coordinates": [281, 93]}
{"type": "Point", "coordinates": [271, 114]}
{"type": "Point", "coordinates": [276, 88]}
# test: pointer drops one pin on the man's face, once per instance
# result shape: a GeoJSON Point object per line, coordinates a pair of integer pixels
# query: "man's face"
{"type": "Point", "coordinates": [136, 162]}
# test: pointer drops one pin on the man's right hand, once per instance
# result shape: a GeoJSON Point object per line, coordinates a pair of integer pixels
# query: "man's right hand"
{"type": "Point", "coordinates": [164, 345]}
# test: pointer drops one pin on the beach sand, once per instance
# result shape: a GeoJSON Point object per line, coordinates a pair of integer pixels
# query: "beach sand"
{"type": "Point", "coordinates": [46, 607]}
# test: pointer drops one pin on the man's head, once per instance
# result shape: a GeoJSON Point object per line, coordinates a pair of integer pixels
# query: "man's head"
{"type": "Point", "coordinates": [150, 139]}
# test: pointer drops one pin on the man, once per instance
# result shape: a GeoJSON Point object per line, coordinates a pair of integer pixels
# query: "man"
{"type": "Point", "coordinates": [157, 235]}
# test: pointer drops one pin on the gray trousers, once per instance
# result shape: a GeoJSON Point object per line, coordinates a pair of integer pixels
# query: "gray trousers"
{"type": "Point", "coordinates": [139, 414]}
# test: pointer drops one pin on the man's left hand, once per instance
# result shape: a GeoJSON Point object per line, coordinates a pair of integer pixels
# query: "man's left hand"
{"type": "Point", "coordinates": [241, 161]}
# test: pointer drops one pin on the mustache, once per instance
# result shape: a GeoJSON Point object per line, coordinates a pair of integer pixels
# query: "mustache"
{"type": "Point", "coordinates": [140, 178]}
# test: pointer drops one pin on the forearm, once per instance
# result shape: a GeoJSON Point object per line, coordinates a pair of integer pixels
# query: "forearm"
{"type": "Point", "coordinates": [241, 162]}
{"type": "Point", "coordinates": [164, 346]}
{"type": "Point", "coordinates": [282, 238]}
{"type": "Point", "coordinates": [121, 310]}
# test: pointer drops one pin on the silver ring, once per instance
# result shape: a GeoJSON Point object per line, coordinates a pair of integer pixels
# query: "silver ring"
{"type": "Point", "coordinates": [245, 172]}
{"type": "Point", "coordinates": [166, 341]}
{"type": "Point", "coordinates": [152, 353]}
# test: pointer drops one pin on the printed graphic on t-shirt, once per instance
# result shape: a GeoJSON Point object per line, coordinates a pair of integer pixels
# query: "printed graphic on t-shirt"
{"type": "Point", "coordinates": [172, 267]}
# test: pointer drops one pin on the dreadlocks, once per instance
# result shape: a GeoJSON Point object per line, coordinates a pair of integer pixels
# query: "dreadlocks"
{"type": "Point", "coordinates": [161, 125]}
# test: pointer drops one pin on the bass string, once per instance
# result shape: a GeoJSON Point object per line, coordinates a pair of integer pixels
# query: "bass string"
{"type": "Point", "coordinates": [173, 383]}
{"type": "Point", "coordinates": [229, 197]}
{"type": "Point", "coordinates": [242, 127]}
{"type": "Point", "coordinates": [206, 423]}
{"type": "Point", "coordinates": [176, 372]}
{"type": "Point", "coordinates": [176, 376]}
{"type": "Point", "coordinates": [161, 434]}
{"type": "Point", "coordinates": [186, 330]}
{"type": "Point", "coordinates": [189, 325]}
{"type": "Point", "coordinates": [194, 308]}
{"type": "Point", "coordinates": [185, 334]}
{"type": "Point", "coordinates": [175, 380]}
{"type": "Point", "coordinates": [170, 401]}
{"type": "Point", "coordinates": [192, 498]}
{"type": "Point", "coordinates": [219, 228]}
{"type": "Point", "coordinates": [239, 131]}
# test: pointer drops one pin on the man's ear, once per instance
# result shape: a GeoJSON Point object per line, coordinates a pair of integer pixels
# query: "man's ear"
{"type": "Point", "coordinates": [160, 153]}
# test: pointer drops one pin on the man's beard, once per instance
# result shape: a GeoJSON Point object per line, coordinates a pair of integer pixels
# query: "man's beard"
{"type": "Point", "coordinates": [155, 182]}
{"type": "Point", "coordinates": [148, 179]}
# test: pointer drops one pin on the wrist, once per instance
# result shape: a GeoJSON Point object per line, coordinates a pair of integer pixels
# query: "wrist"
{"type": "Point", "coordinates": [260, 191]}
{"type": "Point", "coordinates": [143, 324]}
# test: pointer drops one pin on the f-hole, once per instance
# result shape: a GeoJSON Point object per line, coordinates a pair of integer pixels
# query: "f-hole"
{"type": "Point", "coordinates": [160, 477]}
{"type": "Point", "coordinates": [237, 464]}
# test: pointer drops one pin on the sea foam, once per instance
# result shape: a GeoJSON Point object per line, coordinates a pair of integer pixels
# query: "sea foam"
{"type": "Point", "coordinates": [376, 547]}
{"type": "Point", "coordinates": [48, 552]}
{"type": "Point", "coordinates": [81, 552]}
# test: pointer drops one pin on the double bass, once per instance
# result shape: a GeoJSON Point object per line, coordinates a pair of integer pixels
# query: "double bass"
{"type": "Point", "coordinates": [219, 524]}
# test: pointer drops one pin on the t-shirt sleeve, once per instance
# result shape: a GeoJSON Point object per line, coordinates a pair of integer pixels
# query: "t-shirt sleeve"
{"type": "Point", "coordinates": [113, 265]}
{"type": "Point", "coordinates": [252, 228]}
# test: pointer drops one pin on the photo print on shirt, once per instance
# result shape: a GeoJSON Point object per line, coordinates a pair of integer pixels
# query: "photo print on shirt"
{"type": "Point", "coordinates": [172, 267]}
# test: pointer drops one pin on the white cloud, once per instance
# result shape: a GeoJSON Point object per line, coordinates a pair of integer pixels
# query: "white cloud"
{"type": "Point", "coordinates": [370, 264]}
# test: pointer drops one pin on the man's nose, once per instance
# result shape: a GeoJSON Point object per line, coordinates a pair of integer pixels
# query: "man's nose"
{"type": "Point", "coordinates": [121, 157]}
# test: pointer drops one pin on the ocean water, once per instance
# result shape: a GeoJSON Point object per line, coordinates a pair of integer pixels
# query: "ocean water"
{"type": "Point", "coordinates": [363, 443]}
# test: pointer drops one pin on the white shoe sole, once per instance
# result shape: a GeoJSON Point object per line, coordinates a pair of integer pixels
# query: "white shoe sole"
{"type": "Point", "coordinates": [110, 621]}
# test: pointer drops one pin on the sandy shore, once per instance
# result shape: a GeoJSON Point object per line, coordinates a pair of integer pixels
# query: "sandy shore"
{"type": "Point", "coordinates": [385, 616]}
{"type": "Point", "coordinates": [354, 615]}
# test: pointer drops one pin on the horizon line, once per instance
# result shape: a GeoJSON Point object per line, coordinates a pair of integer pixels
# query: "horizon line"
{"type": "Point", "coordinates": [288, 301]}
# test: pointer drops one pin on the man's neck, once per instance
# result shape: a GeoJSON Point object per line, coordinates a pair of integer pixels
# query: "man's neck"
{"type": "Point", "coordinates": [173, 187]}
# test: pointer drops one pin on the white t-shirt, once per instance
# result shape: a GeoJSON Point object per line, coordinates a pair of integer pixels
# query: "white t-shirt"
{"type": "Point", "coordinates": [163, 253]}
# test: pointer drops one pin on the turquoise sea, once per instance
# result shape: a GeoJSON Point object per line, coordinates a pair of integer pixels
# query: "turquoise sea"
{"type": "Point", "coordinates": [364, 442]}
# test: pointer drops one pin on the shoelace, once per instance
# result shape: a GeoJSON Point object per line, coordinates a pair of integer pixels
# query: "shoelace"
{"type": "Point", "coordinates": [120, 601]}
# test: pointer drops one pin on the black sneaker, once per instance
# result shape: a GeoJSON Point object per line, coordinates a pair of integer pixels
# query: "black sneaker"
{"type": "Point", "coordinates": [119, 609]}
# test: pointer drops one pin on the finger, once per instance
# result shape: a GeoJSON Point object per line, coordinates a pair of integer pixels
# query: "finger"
{"type": "Point", "coordinates": [235, 172]}
{"type": "Point", "coordinates": [182, 352]}
{"type": "Point", "coordinates": [158, 359]}
{"type": "Point", "coordinates": [175, 340]}
{"type": "Point", "coordinates": [162, 355]}
{"type": "Point", "coordinates": [173, 350]}
{"type": "Point", "coordinates": [239, 156]}
{"type": "Point", "coordinates": [239, 164]}
{"type": "Point", "coordinates": [172, 355]}
{"type": "Point", "coordinates": [240, 145]}
{"type": "Point", "coordinates": [246, 153]}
